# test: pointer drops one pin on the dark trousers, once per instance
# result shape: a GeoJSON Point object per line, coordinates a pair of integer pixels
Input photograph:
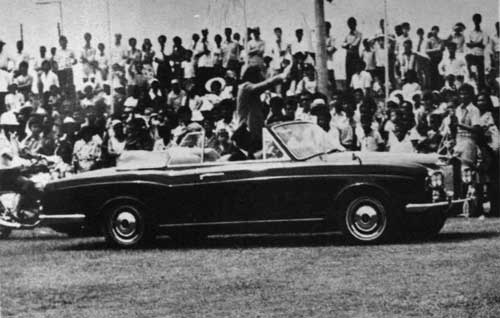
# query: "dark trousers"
{"type": "Point", "coordinates": [2, 102]}
{"type": "Point", "coordinates": [66, 80]}
{"type": "Point", "coordinates": [351, 60]}
{"type": "Point", "coordinates": [478, 61]}
{"type": "Point", "coordinates": [436, 80]}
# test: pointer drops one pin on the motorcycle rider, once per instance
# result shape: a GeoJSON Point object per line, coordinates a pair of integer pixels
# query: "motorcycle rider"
{"type": "Point", "coordinates": [11, 164]}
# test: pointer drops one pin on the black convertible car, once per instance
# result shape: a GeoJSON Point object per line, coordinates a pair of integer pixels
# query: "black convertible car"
{"type": "Point", "coordinates": [301, 183]}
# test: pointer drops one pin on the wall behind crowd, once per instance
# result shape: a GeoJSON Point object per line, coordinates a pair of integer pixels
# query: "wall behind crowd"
{"type": "Point", "coordinates": [149, 18]}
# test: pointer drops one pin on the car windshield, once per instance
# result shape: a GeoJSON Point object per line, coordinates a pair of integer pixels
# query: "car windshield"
{"type": "Point", "coordinates": [304, 140]}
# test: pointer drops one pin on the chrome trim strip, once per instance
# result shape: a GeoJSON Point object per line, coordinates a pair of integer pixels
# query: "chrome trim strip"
{"type": "Point", "coordinates": [422, 207]}
{"type": "Point", "coordinates": [55, 218]}
{"type": "Point", "coordinates": [240, 222]}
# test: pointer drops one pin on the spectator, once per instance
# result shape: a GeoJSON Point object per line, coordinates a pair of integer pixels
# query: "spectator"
{"type": "Point", "coordinates": [351, 45]}
{"type": "Point", "coordinates": [452, 64]}
{"type": "Point", "coordinates": [361, 79]}
{"type": "Point", "coordinates": [477, 43]}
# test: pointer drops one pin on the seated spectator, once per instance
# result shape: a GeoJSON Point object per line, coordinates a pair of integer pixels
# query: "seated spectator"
{"type": "Point", "coordinates": [369, 139]}
{"type": "Point", "coordinates": [86, 151]}
{"type": "Point", "coordinates": [276, 105]}
{"type": "Point", "coordinates": [411, 85]}
{"type": "Point", "coordinates": [399, 140]}
{"type": "Point", "coordinates": [137, 136]}
{"type": "Point", "coordinates": [308, 83]}
{"type": "Point", "coordinates": [433, 139]}
{"type": "Point", "coordinates": [361, 79]}
{"type": "Point", "coordinates": [165, 141]}
{"type": "Point", "coordinates": [177, 96]}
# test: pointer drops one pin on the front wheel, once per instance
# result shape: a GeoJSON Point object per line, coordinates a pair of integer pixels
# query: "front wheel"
{"type": "Point", "coordinates": [128, 225]}
{"type": "Point", "coordinates": [366, 219]}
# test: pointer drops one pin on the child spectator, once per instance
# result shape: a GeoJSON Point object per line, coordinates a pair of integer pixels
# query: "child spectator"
{"type": "Point", "coordinates": [369, 139]}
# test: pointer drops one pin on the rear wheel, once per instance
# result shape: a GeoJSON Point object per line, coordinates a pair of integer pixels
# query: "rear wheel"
{"type": "Point", "coordinates": [128, 225]}
{"type": "Point", "coordinates": [366, 219]}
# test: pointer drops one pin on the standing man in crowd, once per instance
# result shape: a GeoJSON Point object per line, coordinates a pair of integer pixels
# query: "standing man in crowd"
{"type": "Point", "coordinates": [230, 52]}
{"type": "Point", "coordinates": [203, 53]}
{"type": "Point", "coordinates": [65, 59]}
{"type": "Point", "coordinates": [477, 43]}
{"type": "Point", "coordinates": [351, 45]}
{"type": "Point", "coordinates": [330, 51]}
{"type": "Point", "coordinates": [87, 57]}
{"type": "Point", "coordinates": [278, 51]}
{"type": "Point", "coordinates": [435, 52]}
{"type": "Point", "coordinates": [118, 52]}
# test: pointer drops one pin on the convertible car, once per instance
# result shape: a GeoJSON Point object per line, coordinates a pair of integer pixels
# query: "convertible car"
{"type": "Point", "coordinates": [300, 183]}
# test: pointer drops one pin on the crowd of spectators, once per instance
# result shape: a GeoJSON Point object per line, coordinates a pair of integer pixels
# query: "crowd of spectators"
{"type": "Point", "coordinates": [89, 105]}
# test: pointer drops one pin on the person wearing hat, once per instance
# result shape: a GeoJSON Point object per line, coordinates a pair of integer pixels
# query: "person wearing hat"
{"type": "Point", "coordinates": [8, 133]}
{"type": "Point", "coordinates": [214, 87]}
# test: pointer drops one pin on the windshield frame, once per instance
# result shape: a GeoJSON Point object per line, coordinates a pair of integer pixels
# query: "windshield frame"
{"type": "Point", "coordinates": [273, 128]}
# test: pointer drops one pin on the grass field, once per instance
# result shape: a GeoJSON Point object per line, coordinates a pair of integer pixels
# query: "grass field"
{"type": "Point", "coordinates": [44, 274]}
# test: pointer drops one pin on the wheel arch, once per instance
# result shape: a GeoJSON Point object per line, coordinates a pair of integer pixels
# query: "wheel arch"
{"type": "Point", "coordinates": [350, 191]}
{"type": "Point", "coordinates": [119, 200]}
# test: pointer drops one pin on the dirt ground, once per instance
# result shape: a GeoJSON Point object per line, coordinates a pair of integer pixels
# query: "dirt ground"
{"type": "Point", "coordinates": [44, 274]}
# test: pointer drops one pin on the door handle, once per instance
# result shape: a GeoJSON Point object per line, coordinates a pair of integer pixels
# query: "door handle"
{"type": "Point", "coordinates": [208, 175]}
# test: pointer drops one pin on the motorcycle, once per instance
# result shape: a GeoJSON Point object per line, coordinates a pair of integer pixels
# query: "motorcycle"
{"type": "Point", "coordinates": [42, 170]}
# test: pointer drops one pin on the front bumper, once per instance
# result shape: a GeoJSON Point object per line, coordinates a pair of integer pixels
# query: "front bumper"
{"type": "Point", "coordinates": [61, 218]}
{"type": "Point", "coordinates": [442, 206]}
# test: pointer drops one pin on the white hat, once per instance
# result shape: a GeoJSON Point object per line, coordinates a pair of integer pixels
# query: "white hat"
{"type": "Point", "coordinates": [208, 84]}
{"type": "Point", "coordinates": [69, 120]}
{"type": "Point", "coordinates": [8, 119]}
{"type": "Point", "coordinates": [317, 102]}
{"type": "Point", "coordinates": [131, 102]}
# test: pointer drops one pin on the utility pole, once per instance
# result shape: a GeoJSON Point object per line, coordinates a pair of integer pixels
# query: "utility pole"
{"type": "Point", "coordinates": [21, 32]}
{"type": "Point", "coordinates": [321, 57]}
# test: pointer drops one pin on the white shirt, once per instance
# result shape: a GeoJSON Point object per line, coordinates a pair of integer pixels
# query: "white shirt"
{"type": "Point", "coordinates": [297, 46]}
{"type": "Point", "coordinates": [205, 60]}
{"type": "Point", "coordinates": [65, 58]}
{"type": "Point", "coordinates": [330, 47]}
{"type": "Point", "coordinates": [5, 80]}
{"type": "Point", "coordinates": [368, 142]}
{"type": "Point", "coordinates": [362, 80]}
{"type": "Point", "coordinates": [457, 66]}
{"type": "Point", "coordinates": [403, 146]}
{"type": "Point", "coordinates": [478, 36]}
{"type": "Point", "coordinates": [118, 55]}
{"type": "Point", "coordinates": [276, 50]}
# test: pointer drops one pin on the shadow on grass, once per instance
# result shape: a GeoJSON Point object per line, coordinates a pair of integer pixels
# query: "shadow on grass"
{"type": "Point", "coordinates": [277, 241]}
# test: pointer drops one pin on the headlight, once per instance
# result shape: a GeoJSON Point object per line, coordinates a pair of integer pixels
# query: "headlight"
{"type": "Point", "coordinates": [467, 175]}
{"type": "Point", "coordinates": [436, 179]}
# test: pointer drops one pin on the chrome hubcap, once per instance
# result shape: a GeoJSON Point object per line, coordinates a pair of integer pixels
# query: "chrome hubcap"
{"type": "Point", "coordinates": [366, 222]}
{"type": "Point", "coordinates": [125, 225]}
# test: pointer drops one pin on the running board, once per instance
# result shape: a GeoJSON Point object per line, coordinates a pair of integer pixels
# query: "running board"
{"type": "Point", "coordinates": [175, 225]}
